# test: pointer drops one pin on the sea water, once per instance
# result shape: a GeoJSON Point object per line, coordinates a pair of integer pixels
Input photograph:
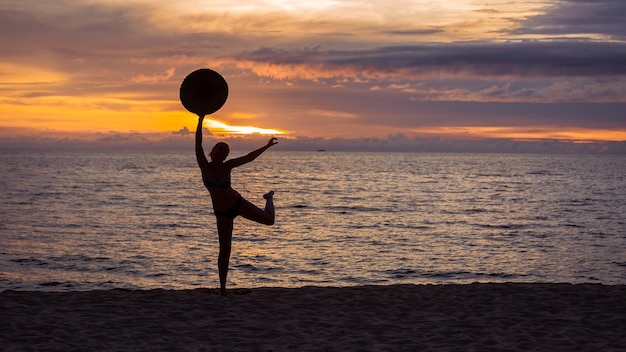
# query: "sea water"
{"type": "Point", "coordinates": [142, 220]}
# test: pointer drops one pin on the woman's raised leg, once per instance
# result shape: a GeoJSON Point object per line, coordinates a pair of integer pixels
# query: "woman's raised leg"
{"type": "Point", "coordinates": [263, 216]}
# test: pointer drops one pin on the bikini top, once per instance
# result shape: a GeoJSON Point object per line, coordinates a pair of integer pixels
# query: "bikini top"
{"type": "Point", "coordinates": [209, 182]}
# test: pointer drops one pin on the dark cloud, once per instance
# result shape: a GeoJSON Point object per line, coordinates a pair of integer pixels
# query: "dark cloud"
{"type": "Point", "coordinates": [579, 17]}
{"type": "Point", "coordinates": [477, 59]}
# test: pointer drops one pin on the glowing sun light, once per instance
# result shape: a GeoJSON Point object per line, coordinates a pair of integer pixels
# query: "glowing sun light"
{"type": "Point", "coordinates": [222, 128]}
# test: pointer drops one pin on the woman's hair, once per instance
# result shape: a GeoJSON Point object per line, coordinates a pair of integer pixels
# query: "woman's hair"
{"type": "Point", "coordinates": [216, 145]}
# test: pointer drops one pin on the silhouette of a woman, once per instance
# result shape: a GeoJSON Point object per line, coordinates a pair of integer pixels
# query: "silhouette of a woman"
{"type": "Point", "coordinates": [228, 203]}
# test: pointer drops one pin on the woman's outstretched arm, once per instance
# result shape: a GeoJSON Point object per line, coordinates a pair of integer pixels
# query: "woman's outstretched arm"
{"type": "Point", "coordinates": [252, 155]}
{"type": "Point", "coordinates": [202, 160]}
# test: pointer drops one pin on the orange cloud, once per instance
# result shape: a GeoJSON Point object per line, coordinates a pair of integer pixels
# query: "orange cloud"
{"type": "Point", "coordinates": [524, 133]}
{"type": "Point", "coordinates": [165, 76]}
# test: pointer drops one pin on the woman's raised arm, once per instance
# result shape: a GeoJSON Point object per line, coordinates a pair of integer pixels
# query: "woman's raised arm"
{"type": "Point", "coordinates": [252, 155]}
{"type": "Point", "coordinates": [200, 157]}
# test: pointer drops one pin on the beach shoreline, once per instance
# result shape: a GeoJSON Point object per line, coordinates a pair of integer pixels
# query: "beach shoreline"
{"type": "Point", "coordinates": [454, 317]}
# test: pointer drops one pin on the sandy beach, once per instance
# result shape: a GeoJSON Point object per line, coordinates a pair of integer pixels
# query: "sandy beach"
{"type": "Point", "coordinates": [476, 317]}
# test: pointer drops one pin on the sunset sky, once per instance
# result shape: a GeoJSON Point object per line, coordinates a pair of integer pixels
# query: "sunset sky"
{"type": "Point", "coordinates": [457, 69]}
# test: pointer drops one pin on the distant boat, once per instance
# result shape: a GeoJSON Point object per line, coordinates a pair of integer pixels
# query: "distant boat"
{"type": "Point", "coordinates": [321, 150]}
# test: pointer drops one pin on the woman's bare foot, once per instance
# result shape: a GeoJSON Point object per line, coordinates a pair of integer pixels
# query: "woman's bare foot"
{"type": "Point", "coordinates": [269, 195]}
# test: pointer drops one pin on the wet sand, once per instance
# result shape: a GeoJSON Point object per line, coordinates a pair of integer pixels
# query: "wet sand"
{"type": "Point", "coordinates": [476, 317]}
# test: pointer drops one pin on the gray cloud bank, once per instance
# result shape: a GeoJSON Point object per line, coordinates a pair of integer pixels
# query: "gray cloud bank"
{"type": "Point", "coordinates": [582, 17]}
{"type": "Point", "coordinates": [183, 141]}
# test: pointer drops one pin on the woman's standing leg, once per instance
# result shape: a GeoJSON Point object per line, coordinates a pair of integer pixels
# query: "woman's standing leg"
{"type": "Point", "coordinates": [225, 232]}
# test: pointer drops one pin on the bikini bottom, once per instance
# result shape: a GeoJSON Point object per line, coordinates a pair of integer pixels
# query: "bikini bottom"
{"type": "Point", "coordinates": [232, 213]}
